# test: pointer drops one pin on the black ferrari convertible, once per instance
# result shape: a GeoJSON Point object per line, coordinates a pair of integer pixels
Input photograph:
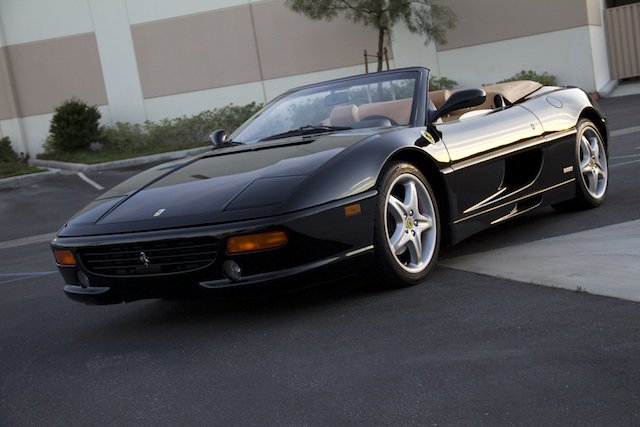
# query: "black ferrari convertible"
{"type": "Point", "coordinates": [368, 174]}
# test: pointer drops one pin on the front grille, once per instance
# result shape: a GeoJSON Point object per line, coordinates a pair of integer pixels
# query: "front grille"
{"type": "Point", "coordinates": [158, 257]}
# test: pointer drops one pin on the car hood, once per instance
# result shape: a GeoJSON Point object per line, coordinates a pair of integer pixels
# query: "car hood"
{"type": "Point", "coordinates": [224, 185]}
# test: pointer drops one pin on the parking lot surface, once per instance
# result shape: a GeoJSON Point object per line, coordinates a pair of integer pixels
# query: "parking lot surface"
{"type": "Point", "coordinates": [461, 349]}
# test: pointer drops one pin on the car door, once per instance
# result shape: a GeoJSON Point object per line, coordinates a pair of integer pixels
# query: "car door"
{"type": "Point", "coordinates": [493, 159]}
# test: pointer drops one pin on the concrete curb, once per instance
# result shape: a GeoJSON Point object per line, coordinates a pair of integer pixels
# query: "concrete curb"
{"type": "Point", "coordinates": [81, 167]}
{"type": "Point", "coordinates": [55, 167]}
{"type": "Point", "coordinates": [17, 181]}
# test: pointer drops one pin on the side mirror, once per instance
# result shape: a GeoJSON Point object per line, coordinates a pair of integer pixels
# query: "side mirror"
{"type": "Point", "coordinates": [461, 99]}
{"type": "Point", "coordinates": [218, 137]}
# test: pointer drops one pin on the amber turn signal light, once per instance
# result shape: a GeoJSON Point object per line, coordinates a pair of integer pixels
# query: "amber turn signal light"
{"type": "Point", "coordinates": [352, 210]}
{"type": "Point", "coordinates": [64, 257]}
{"type": "Point", "coordinates": [256, 242]}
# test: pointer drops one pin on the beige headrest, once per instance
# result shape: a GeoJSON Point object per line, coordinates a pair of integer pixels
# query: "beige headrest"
{"type": "Point", "coordinates": [438, 97]}
{"type": "Point", "coordinates": [344, 115]}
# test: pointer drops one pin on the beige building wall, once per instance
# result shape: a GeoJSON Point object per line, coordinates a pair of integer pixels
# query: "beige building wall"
{"type": "Point", "coordinates": [49, 71]}
{"type": "Point", "coordinates": [489, 21]}
{"type": "Point", "coordinates": [8, 108]}
{"type": "Point", "coordinates": [290, 44]}
{"type": "Point", "coordinates": [196, 52]}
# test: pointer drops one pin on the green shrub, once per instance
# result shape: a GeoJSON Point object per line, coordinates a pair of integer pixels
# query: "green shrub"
{"type": "Point", "coordinates": [545, 78]}
{"type": "Point", "coordinates": [124, 140]}
{"type": "Point", "coordinates": [74, 126]}
{"type": "Point", "coordinates": [124, 134]}
{"type": "Point", "coordinates": [439, 83]}
{"type": "Point", "coordinates": [7, 155]}
{"type": "Point", "coordinates": [10, 164]}
{"type": "Point", "coordinates": [186, 130]}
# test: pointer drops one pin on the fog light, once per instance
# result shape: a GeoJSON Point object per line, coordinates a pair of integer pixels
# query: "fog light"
{"type": "Point", "coordinates": [64, 257]}
{"type": "Point", "coordinates": [83, 279]}
{"type": "Point", "coordinates": [256, 242]}
{"type": "Point", "coordinates": [232, 270]}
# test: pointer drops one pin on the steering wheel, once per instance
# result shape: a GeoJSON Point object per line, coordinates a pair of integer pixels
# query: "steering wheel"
{"type": "Point", "coordinates": [380, 117]}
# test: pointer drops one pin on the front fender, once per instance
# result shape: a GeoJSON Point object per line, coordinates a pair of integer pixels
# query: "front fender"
{"type": "Point", "coordinates": [356, 169]}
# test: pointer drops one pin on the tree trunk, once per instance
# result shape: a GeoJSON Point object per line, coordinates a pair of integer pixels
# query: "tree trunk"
{"type": "Point", "coordinates": [381, 32]}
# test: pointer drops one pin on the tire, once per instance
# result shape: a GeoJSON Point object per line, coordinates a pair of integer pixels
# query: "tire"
{"type": "Point", "coordinates": [591, 170]}
{"type": "Point", "coordinates": [407, 228]}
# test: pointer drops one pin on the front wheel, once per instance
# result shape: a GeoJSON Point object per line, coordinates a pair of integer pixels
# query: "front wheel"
{"type": "Point", "coordinates": [407, 228]}
{"type": "Point", "coordinates": [591, 169]}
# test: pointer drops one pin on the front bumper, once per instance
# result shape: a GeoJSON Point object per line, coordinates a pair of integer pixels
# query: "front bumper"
{"type": "Point", "coordinates": [324, 243]}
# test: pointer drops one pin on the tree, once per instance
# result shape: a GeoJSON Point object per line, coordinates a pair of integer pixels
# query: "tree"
{"type": "Point", "coordinates": [424, 17]}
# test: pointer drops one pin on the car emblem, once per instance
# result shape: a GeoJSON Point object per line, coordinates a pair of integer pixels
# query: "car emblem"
{"type": "Point", "coordinates": [143, 259]}
{"type": "Point", "coordinates": [159, 212]}
{"type": "Point", "coordinates": [426, 135]}
{"type": "Point", "coordinates": [410, 223]}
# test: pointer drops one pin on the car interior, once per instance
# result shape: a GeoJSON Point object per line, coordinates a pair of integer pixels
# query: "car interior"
{"type": "Point", "coordinates": [398, 112]}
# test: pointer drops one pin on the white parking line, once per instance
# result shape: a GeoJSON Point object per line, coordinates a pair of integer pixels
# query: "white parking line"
{"type": "Point", "coordinates": [630, 156]}
{"type": "Point", "coordinates": [625, 131]}
{"type": "Point", "coordinates": [40, 238]}
{"type": "Point", "coordinates": [90, 181]}
{"type": "Point", "coordinates": [624, 163]}
{"type": "Point", "coordinates": [14, 277]}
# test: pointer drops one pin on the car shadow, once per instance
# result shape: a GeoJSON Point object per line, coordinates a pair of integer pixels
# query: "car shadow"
{"type": "Point", "coordinates": [153, 318]}
{"type": "Point", "coordinates": [212, 309]}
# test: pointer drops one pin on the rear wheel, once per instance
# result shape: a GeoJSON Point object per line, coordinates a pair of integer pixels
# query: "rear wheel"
{"type": "Point", "coordinates": [407, 229]}
{"type": "Point", "coordinates": [591, 169]}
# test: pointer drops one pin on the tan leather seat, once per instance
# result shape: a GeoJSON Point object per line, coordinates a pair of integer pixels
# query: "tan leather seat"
{"type": "Point", "coordinates": [398, 110]}
{"type": "Point", "coordinates": [344, 115]}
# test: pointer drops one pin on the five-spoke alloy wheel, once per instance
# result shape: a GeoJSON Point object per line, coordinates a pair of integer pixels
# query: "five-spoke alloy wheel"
{"type": "Point", "coordinates": [592, 159]}
{"type": "Point", "coordinates": [407, 233]}
{"type": "Point", "coordinates": [590, 167]}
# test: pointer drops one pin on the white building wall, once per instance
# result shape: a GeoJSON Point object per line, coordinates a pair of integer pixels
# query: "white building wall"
{"type": "Point", "coordinates": [195, 102]}
{"type": "Point", "coordinates": [599, 57]}
{"type": "Point", "coordinates": [565, 54]}
{"type": "Point", "coordinates": [600, 54]}
{"type": "Point", "coordinates": [26, 21]}
{"type": "Point", "coordinates": [275, 87]}
{"type": "Point", "coordinates": [409, 50]}
{"type": "Point", "coordinates": [36, 130]}
{"type": "Point", "coordinates": [13, 129]}
{"type": "Point", "coordinates": [190, 103]}
{"type": "Point", "coordinates": [118, 60]}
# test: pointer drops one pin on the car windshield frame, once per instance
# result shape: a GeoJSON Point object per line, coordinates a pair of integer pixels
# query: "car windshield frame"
{"type": "Point", "coordinates": [249, 132]}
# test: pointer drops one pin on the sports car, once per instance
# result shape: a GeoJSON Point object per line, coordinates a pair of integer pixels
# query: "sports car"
{"type": "Point", "coordinates": [369, 175]}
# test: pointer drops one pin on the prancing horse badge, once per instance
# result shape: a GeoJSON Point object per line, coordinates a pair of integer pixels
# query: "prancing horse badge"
{"type": "Point", "coordinates": [426, 135]}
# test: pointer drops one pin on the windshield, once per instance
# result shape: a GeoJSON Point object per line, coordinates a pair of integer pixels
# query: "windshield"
{"type": "Point", "coordinates": [370, 101]}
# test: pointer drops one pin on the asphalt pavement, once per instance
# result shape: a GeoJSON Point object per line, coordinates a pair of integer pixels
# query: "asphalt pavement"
{"type": "Point", "coordinates": [461, 349]}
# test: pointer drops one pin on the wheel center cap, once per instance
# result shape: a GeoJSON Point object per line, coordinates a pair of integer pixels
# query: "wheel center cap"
{"type": "Point", "coordinates": [410, 223]}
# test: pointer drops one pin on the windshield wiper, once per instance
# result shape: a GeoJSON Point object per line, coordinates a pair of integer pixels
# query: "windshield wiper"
{"type": "Point", "coordinates": [227, 143]}
{"type": "Point", "coordinates": [305, 130]}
